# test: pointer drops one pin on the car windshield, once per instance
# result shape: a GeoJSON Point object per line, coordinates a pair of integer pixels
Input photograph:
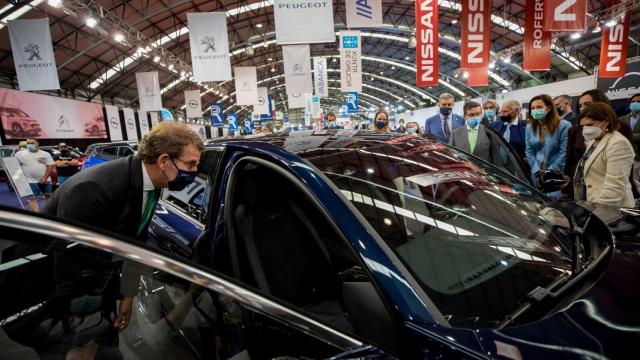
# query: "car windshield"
{"type": "Point", "coordinates": [477, 241]}
{"type": "Point", "coordinates": [6, 152]}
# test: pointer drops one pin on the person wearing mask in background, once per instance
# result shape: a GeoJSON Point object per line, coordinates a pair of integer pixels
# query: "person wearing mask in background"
{"type": "Point", "coordinates": [631, 120]}
{"type": "Point", "coordinates": [66, 165]}
{"type": "Point", "coordinates": [491, 112]}
{"type": "Point", "coordinates": [564, 107]}
{"type": "Point", "coordinates": [472, 138]}
{"type": "Point", "coordinates": [511, 128]}
{"type": "Point", "coordinates": [446, 121]}
{"type": "Point", "coordinates": [331, 121]}
{"type": "Point", "coordinates": [37, 166]}
{"type": "Point", "coordinates": [576, 144]}
{"type": "Point", "coordinates": [603, 172]}
{"type": "Point", "coordinates": [413, 128]}
{"type": "Point", "coordinates": [401, 128]}
{"type": "Point", "coordinates": [381, 122]}
{"type": "Point", "coordinates": [22, 145]}
{"type": "Point", "coordinates": [546, 138]}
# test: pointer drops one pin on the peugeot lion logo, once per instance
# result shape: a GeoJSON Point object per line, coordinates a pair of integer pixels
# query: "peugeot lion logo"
{"type": "Point", "coordinates": [209, 43]}
{"type": "Point", "coordinates": [33, 50]}
{"type": "Point", "coordinates": [113, 122]}
{"type": "Point", "coordinates": [297, 69]}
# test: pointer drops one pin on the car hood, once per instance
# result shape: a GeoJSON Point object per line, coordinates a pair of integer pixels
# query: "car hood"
{"type": "Point", "coordinates": [603, 321]}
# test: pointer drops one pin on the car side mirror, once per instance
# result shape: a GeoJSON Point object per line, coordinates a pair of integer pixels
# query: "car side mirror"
{"type": "Point", "coordinates": [550, 181]}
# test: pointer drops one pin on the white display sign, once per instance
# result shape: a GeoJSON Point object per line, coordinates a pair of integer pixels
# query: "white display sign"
{"type": "Point", "coordinates": [320, 77]}
{"type": "Point", "coordinates": [13, 169]}
{"type": "Point", "coordinates": [143, 121]}
{"type": "Point", "coordinates": [364, 13]}
{"type": "Point", "coordinates": [154, 118]}
{"type": "Point", "coordinates": [246, 82]}
{"type": "Point", "coordinates": [33, 56]}
{"type": "Point", "coordinates": [304, 21]}
{"type": "Point", "coordinates": [149, 91]}
{"type": "Point", "coordinates": [193, 103]}
{"type": "Point", "coordinates": [262, 107]}
{"type": "Point", "coordinates": [296, 101]}
{"type": "Point", "coordinates": [130, 124]}
{"type": "Point", "coordinates": [209, 42]}
{"type": "Point", "coordinates": [113, 119]}
{"type": "Point", "coordinates": [297, 69]}
{"type": "Point", "coordinates": [350, 61]}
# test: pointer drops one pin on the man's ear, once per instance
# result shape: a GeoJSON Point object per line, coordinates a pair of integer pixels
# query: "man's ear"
{"type": "Point", "coordinates": [161, 161]}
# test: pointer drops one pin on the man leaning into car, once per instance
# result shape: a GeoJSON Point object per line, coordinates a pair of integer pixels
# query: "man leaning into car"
{"type": "Point", "coordinates": [120, 195]}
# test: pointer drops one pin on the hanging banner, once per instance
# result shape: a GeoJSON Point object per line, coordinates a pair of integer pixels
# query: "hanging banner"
{"type": "Point", "coordinates": [193, 104]}
{"type": "Point", "coordinates": [475, 40]}
{"type": "Point", "coordinates": [153, 115]}
{"type": "Point", "coordinates": [304, 21]}
{"type": "Point", "coordinates": [364, 13]}
{"type": "Point", "coordinates": [427, 56]}
{"type": "Point", "coordinates": [262, 107]}
{"type": "Point", "coordinates": [217, 114]}
{"type": "Point", "coordinates": [130, 124]}
{"type": "Point", "coordinates": [296, 101]}
{"type": "Point", "coordinates": [149, 91]}
{"type": "Point", "coordinates": [297, 69]}
{"type": "Point", "coordinates": [537, 41]}
{"type": "Point", "coordinates": [232, 121]}
{"type": "Point", "coordinates": [33, 55]}
{"type": "Point", "coordinates": [209, 43]}
{"type": "Point", "coordinates": [246, 85]}
{"type": "Point", "coordinates": [565, 15]}
{"type": "Point", "coordinates": [350, 61]}
{"type": "Point", "coordinates": [350, 102]}
{"type": "Point", "coordinates": [113, 118]}
{"type": "Point", "coordinates": [143, 121]}
{"type": "Point", "coordinates": [320, 77]}
{"type": "Point", "coordinates": [614, 48]}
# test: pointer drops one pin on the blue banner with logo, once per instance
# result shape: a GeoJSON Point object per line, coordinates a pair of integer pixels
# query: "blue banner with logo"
{"type": "Point", "coordinates": [217, 116]}
{"type": "Point", "coordinates": [232, 119]}
{"type": "Point", "coordinates": [248, 126]}
{"type": "Point", "coordinates": [350, 102]}
{"type": "Point", "coordinates": [269, 116]}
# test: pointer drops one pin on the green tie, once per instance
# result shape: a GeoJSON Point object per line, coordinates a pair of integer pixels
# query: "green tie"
{"type": "Point", "coordinates": [152, 200]}
{"type": "Point", "coordinates": [473, 136]}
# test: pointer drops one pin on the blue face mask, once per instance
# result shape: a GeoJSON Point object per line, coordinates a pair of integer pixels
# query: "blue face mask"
{"type": "Point", "coordinates": [538, 114]}
{"type": "Point", "coordinates": [380, 124]}
{"type": "Point", "coordinates": [32, 147]}
{"type": "Point", "coordinates": [183, 179]}
{"type": "Point", "coordinates": [331, 124]}
{"type": "Point", "coordinates": [634, 106]}
{"type": "Point", "coordinates": [490, 113]}
{"type": "Point", "coordinates": [85, 304]}
{"type": "Point", "coordinates": [474, 122]}
{"type": "Point", "coordinates": [412, 130]}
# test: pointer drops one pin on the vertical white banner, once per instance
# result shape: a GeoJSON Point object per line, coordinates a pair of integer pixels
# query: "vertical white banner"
{"type": "Point", "coordinates": [130, 124]}
{"type": "Point", "coordinates": [262, 106]}
{"type": "Point", "coordinates": [113, 119]}
{"type": "Point", "coordinates": [154, 118]}
{"type": "Point", "coordinates": [297, 101]}
{"type": "Point", "coordinates": [367, 13]}
{"type": "Point", "coordinates": [143, 121]}
{"type": "Point", "coordinates": [209, 46]}
{"type": "Point", "coordinates": [193, 103]}
{"type": "Point", "coordinates": [320, 78]}
{"type": "Point", "coordinates": [350, 61]}
{"type": "Point", "coordinates": [246, 85]}
{"type": "Point", "coordinates": [149, 91]}
{"type": "Point", "coordinates": [33, 54]}
{"type": "Point", "coordinates": [297, 69]}
{"type": "Point", "coordinates": [304, 21]}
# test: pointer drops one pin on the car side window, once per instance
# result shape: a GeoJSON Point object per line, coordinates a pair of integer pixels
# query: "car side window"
{"type": "Point", "coordinates": [68, 306]}
{"type": "Point", "coordinates": [504, 158]}
{"type": "Point", "coordinates": [124, 151]}
{"type": "Point", "coordinates": [108, 153]}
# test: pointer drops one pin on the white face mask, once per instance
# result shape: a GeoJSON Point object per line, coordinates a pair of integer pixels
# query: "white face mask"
{"type": "Point", "coordinates": [591, 132]}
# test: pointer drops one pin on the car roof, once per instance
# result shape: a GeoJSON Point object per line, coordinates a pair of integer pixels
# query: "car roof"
{"type": "Point", "coordinates": [115, 143]}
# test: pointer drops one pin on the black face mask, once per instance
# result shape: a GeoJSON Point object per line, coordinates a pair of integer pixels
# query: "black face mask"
{"type": "Point", "coordinates": [445, 111]}
{"type": "Point", "coordinates": [559, 109]}
{"type": "Point", "coordinates": [183, 179]}
{"type": "Point", "coordinates": [505, 118]}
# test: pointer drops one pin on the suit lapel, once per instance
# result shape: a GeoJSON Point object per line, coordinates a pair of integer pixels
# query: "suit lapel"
{"type": "Point", "coordinates": [463, 137]}
{"type": "Point", "coordinates": [597, 151]}
{"type": "Point", "coordinates": [481, 140]}
{"type": "Point", "coordinates": [135, 193]}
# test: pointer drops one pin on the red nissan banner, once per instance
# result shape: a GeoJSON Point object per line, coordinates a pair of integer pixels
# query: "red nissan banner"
{"type": "Point", "coordinates": [427, 58]}
{"type": "Point", "coordinates": [474, 43]}
{"type": "Point", "coordinates": [537, 42]}
{"type": "Point", "coordinates": [613, 49]}
{"type": "Point", "coordinates": [565, 15]}
{"type": "Point", "coordinates": [478, 77]}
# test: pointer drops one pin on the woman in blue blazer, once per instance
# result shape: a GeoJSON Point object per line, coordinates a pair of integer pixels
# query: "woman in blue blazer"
{"type": "Point", "coordinates": [546, 138]}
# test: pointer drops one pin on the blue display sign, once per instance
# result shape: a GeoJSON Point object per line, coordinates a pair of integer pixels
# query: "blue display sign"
{"type": "Point", "coordinates": [248, 126]}
{"type": "Point", "coordinates": [269, 116]}
{"type": "Point", "coordinates": [166, 115]}
{"type": "Point", "coordinates": [350, 102]}
{"type": "Point", "coordinates": [217, 114]}
{"type": "Point", "coordinates": [232, 119]}
{"type": "Point", "coordinates": [349, 42]}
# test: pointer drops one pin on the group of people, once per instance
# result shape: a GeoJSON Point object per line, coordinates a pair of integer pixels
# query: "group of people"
{"type": "Point", "coordinates": [594, 147]}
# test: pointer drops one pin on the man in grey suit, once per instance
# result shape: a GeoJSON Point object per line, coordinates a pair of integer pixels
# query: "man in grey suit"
{"type": "Point", "coordinates": [633, 120]}
{"type": "Point", "coordinates": [472, 137]}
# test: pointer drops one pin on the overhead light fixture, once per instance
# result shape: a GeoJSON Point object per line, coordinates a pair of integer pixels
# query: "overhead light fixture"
{"type": "Point", "coordinates": [55, 3]}
{"type": "Point", "coordinates": [265, 44]}
{"type": "Point", "coordinates": [371, 78]}
{"type": "Point", "coordinates": [249, 50]}
{"type": "Point", "coordinates": [171, 67]}
{"type": "Point", "coordinates": [381, 72]}
{"type": "Point", "coordinates": [91, 22]}
{"type": "Point", "coordinates": [269, 59]}
{"type": "Point", "coordinates": [393, 68]}
{"type": "Point", "coordinates": [507, 59]}
{"type": "Point", "coordinates": [407, 58]}
{"type": "Point", "coordinates": [597, 28]}
{"type": "Point", "coordinates": [118, 37]}
{"type": "Point", "coordinates": [259, 26]}
{"type": "Point", "coordinates": [183, 73]}
{"type": "Point", "coordinates": [335, 60]}
{"type": "Point", "coordinates": [273, 69]}
{"type": "Point", "coordinates": [140, 50]}
{"type": "Point", "coordinates": [611, 23]}
{"type": "Point", "coordinates": [412, 42]}
{"type": "Point", "coordinates": [454, 21]}
{"type": "Point", "coordinates": [156, 58]}
{"type": "Point", "coordinates": [465, 74]}
{"type": "Point", "coordinates": [576, 35]}
{"type": "Point", "coordinates": [492, 65]}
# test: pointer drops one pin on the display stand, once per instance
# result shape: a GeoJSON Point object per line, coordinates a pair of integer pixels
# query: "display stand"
{"type": "Point", "coordinates": [18, 181]}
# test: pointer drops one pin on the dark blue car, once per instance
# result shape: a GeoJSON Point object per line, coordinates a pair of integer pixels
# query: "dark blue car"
{"type": "Point", "coordinates": [413, 246]}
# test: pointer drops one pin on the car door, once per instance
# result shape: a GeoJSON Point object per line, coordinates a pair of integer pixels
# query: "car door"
{"type": "Point", "coordinates": [59, 295]}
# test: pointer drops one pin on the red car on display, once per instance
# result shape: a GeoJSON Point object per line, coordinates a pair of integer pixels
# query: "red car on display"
{"type": "Point", "coordinates": [18, 124]}
{"type": "Point", "coordinates": [95, 128]}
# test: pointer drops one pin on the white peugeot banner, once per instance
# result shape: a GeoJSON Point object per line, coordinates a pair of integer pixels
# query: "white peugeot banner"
{"type": "Point", "coordinates": [130, 124]}
{"type": "Point", "coordinates": [350, 61]}
{"type": "Point", "coordinates": [143, 121]}
{"type": "Point", "coordinates": [297, 69]}
{"type": "Point", "coordinates": [33, 54]}
{"type": "Point", "coordinates": [149, 91]}
{"type": "Point", "coordinates": [193, 104]}
{"type": "Point", "coordinates": [262, 106]}
{"type": "Point", "coordinates": [297, 101]}
{"type": "Point", "coordinates": [364, 13]}
{"type": "Point", "coordinates": [209, 42]}
{"type": "Point", "coordinates": [304, 21]}
{"type": "Point", "coordinates": [154, 118]}
{"type": "Point", "coordinates": [113, 119]}
{"type": "Point", "coordinates": [246, 85]}
{"type": "Point", "coordinates": [320, 77]}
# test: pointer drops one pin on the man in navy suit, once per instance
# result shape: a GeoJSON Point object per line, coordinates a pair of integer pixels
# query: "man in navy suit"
{"type": "Point", "coordinates": [442, 125]}
{"type": "Point", "coordinates": [509, 120]}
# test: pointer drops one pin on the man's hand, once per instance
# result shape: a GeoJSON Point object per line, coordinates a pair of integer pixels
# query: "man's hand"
{"type": "Point", "coordinates": [124, 314]}
{"type": "Point", "coordinates": [43, 180]}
